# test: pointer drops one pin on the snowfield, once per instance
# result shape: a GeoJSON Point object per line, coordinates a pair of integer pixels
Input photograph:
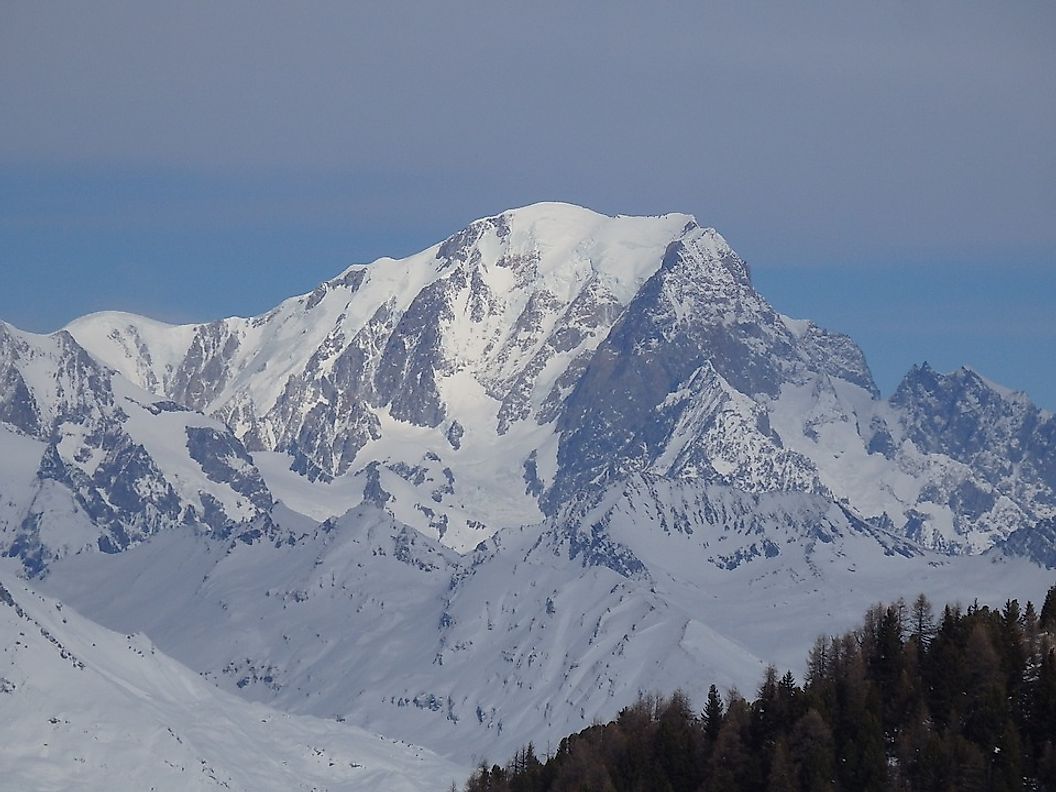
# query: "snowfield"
{"type": "Point", "coordinates": [89, 709]}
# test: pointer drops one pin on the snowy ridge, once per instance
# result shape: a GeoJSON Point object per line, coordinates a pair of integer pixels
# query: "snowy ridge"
{"type": "Point", "coordinates": [450, 349]}
{"type": "Point", "coordinates": [538, 355]}
{"type": "Point", "coordinates": [92, 461]}
{"type": "Point", "coordinates": [660, 584]}
{"type": "Point", "coordinates": [86, 708]}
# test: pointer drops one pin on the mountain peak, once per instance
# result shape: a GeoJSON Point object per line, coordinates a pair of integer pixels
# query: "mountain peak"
{"type": "Point", "coordinates": [923, 374]}
{"type": "Point", "coordinates": [570, 213]}
{"type": "Point", "coordinates": [566, 227]}
{"type": "Point", "coordinates": [1002, 390]}
{"type": "Point", "coordinates": [114, 319]}
{"type": "Point", "coordinates": [560, 247]}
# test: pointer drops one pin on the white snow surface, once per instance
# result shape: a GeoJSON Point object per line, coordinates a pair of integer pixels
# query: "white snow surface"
{"type": "Point", "coordinates": [89, 709]}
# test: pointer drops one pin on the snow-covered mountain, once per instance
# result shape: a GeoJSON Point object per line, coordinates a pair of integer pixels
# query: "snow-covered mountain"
{"type": "Point", "coordinates": [489, 492]}
{"type": "Point", "coordinates": [89, 709]}
{"type": "Point", "coordinates": [549, 351]}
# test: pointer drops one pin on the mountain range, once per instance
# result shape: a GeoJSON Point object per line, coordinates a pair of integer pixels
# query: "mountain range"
{"type": "Point", "coordinates": [488, 492]}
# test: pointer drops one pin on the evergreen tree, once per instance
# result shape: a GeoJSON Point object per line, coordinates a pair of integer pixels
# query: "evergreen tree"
{"type": "Point", "coordinates": [1047, 766]}
{"type": "Point", "coordinates": [1013, 655]}
{"type": "Point", "coordinates": [790, 701]}
{"type": "Point", "coordinates": [766, 714]}
{"type": "Point", "coordinates": [674, 743]}
{"type": "Point", "coordinates": [986, 707]}
{"type": "Point", "coordinates": [1048, 611]}
{"type": "Point", "coordinates": [713, 713]}
{"type": "Point", "coordinates": [730, 769]}
{"type": "Point", "coordinates": [922, 618]}
{"type": "Point", "coordinates": [811, 747]}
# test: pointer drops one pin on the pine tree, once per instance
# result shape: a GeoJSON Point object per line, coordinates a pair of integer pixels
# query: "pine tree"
{"type": "Point", "coordinates": [1047, 766]}
{"type": "Point", "coordinates": [673, 745]}
{"type": "Point", "coordinates": [986, 707]}
{"type": "Point", "coordinates": [1013, 651]}
{"type": "Point", "coordinates": [1031, 632]}
{"type": "Point", "coordinates": [1048, 611]}
{"type": "Point", "coordinates": [967, 770]}
{"type": "Point", "coordinates": [729, 759]}
{"type": "Point", "coordinates": [922, 617]}
{"type": "Point", "coordinates": [789, 699]}
{"type": "Point", "coordinates": [713, 712]}
{"type": "Point", "coordinates": [765, 711]}
{"type": "Point", "coordinates": [1006, 771]}
{"type": "Point", "coordinates": [944, 667]}
{"type": "Point", "coordinates": [1042, 724]}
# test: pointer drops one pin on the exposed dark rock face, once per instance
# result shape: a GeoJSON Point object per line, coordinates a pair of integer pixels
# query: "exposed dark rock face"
{"type": "Point", "coordinates": [94, 474]}
{"type": "Point", "coordinates": [405, 380]}
{"type": "Point", "coordinates": [1007, 442]}
{"type": "Point", "coordinates": [16, 404]}
{"type": "Point", "coordinates": [224, 460]}
{"type": "Point", "coordinates": [454, 435]}
{"type": "Point", "coordinates": [1036, 542]}
{"type": "Point", "coordinates": [698, 313]}
{"type": "Point", "coordinates": [373, 492]}
{"type": "Point", "coordinates": [204, 371]}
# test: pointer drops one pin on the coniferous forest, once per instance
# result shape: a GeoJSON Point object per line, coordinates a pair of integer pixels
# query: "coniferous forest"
{"type": "Point", "coordinates": [914, 700]}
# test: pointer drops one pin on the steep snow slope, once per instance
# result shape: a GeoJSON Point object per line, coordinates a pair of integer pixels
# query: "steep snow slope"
{"type": "Point", "coordinates": [90, 460]}
{"type": "Point", "coordinates": [660, 584]}
{"type": "Point", "coordinates": [88, 709]}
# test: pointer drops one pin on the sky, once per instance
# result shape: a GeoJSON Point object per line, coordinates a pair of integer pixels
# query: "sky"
{"type": "Point", "coordinates": [887, 169]}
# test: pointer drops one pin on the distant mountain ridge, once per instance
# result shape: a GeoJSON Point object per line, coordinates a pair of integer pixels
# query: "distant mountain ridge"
{"type": "Point", "coordinates": [659, 584]}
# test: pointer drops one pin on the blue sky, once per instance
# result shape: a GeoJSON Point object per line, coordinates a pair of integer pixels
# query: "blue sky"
{"type": "Point", "coordinates": [888, 170]}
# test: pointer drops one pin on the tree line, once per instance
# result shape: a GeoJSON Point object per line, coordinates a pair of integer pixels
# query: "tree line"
{"type": "Point", "coordinates": [910, 700]}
